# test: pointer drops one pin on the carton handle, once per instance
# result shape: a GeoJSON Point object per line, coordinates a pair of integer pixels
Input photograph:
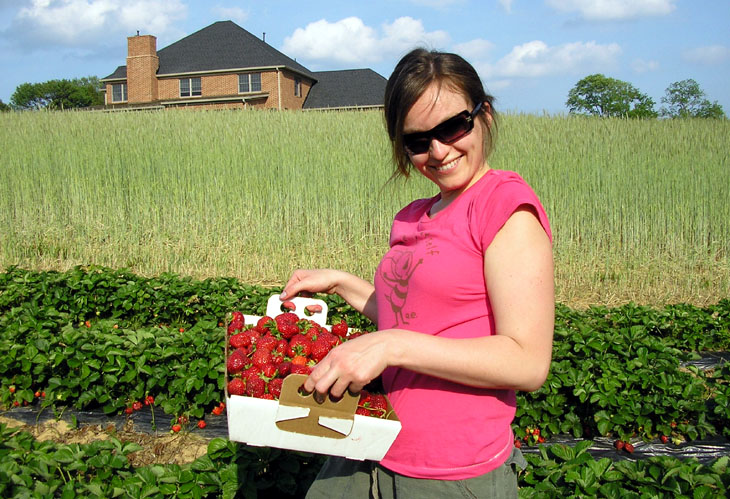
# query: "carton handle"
{"type": "Point", "coordinates": [274, 308]}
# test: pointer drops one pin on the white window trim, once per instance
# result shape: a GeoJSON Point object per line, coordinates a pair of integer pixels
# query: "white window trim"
{"type": "Point", "coordinates": [248, 76]}
{"type": "Point", "coordinates": [190, 87]}
{"type": "Point", "coordinates": [125, 96]}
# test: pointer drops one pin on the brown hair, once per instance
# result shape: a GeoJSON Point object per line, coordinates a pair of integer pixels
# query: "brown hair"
{"type": "Point", "coordinates": [412, 76]}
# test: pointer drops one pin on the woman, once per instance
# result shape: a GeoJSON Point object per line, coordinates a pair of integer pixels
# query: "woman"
{"type": "Point", "coordinates": [463, 300]}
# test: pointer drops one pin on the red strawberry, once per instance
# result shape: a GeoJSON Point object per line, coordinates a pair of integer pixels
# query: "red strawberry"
{"type": "Point", "coordinates": [275, 387]}
{"type": "Point", "coordinates": [240, 340]}
{"type": "Point", "coordinates": [330, 338]}
{"type": "Point", "coordinates": [340, 329]}
{"type": "Point", "coordinates": [299, 345]}
{"type": "Point", "coordinates": [236, 362]}
{"type": "Point", "coordinates": [218, 410]}
{"type": "Point", "coordinates": [236, 387]}
{"type": "Point", "coordinates": [176, 428]}
{"type": "Point", "coordinates": [664, 439]}
{"type": "Point", "coordinates": [136, 405]}
{"type": "Point", "coordinates": [255, 387]}
{"type": "Point", "coordinates": [362, 411]}
{"type": "Point", "coordinates": [284, 368]}
{"type": "Point", "coordinates": [149, 400]}
{"type": "Point", "coordinates": [518, 443]}
{"type": "Point", "coordinates": [264, 322]}
{"type": "Point", "coordinates": [262, 357]}
{"type": "Point", "coordinates": [289, 305]}
{"type": "Point", "coordinates": [628, 447]}
{"type": "Point", "coordinates": [619, 444]}
{"type": "Point", "coordinates": [320, 349]}
{"type": "Point", "coordinates": [269, 370]}
{"type": "Point", "coordinates": [300, 369]}
{"type": "Point", "coordinates": [201, 424]}
{"type": "Point", "coordinates": [267, 342]}
{"type": "Point", "coordinates": [128, 410]}
{"type": "Point", "coordinates": [378, 404]}
{"type": "Point", "coordinates": [288, 329]}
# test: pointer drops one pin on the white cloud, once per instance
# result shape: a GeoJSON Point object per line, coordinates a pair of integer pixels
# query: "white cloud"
{"type": "Point", "coordinates": [75, 23]}
{"type": "Point", "coordinates": [506, 5]}
{"type": "Point", "coordinates": [235, 14]}
{"type": "Point", "coordinates": [350, 41]}
{"type": "Point", "coordinates": [476, 49]}
{"type": "Point", "coordinates": [642, 66]}
{"type": "Point", "coordinates": [614, 10]}
{"type": "Point", "coordinates": [535, 59]}
{"type": "Point", "coordinates": [709, 55]}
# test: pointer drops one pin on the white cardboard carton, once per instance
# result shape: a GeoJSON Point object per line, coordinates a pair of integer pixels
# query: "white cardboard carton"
{"type": "Point", "coordinates": [297, 422]}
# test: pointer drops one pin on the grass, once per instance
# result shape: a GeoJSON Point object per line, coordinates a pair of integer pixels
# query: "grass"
{"type": "Point", "coordinates": [639, 209]}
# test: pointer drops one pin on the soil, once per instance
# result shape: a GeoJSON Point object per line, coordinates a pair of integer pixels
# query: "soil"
{"type": "Point", "coordinates": [161, 448]}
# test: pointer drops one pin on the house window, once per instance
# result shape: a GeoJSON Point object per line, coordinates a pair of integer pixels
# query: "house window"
{"type": "Point", "coordinates": [119, 92]}
{"type": "Point", "coordinates": [297, 87]}
{"type": "Point", "coordinates": [190, 87]}
{"type": "Point", "coordinates": [249, 82]}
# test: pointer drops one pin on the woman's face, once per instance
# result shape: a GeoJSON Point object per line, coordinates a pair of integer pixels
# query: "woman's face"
{"type": "Point", "coordinates": [454, 167]}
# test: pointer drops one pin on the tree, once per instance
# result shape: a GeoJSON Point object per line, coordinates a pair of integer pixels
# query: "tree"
{"type": "Point", "coordinates": [599, 95]}
{"type": "Point", "coordinates": [3, 107]}
{"type": "Point", "coordinates": [685, 99]}
{"type": "Point", "coordinates": [58, 94]}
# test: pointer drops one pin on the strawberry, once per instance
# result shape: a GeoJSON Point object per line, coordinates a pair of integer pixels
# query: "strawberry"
{"type": "Point", "coordinates": [136, 405]}
{"type": "Point", "coordinates": [288, 329]}
{"type": "Point", "coordinates": [340, 329]}
{"type": "Point", "coordinates": [201, 424]}
{"type": "Point", "coordinates": [240, 340]}
{"type": "Point", "coordinates": [299, 345]}
{"type": "Point", "coordinates": [284, 368]}
{"type": "Point", "coordinates": [362, 411]}
{"type": "Point", "coordinates": [289, 305]}
{"type": "Point", "coordinates": [664, 439]}
{"type": "Point", "coordinates": [176, 428]}
{"type": "Point", "coordinates": [330, 338]}
{"type": "Point", "coordinates": [268, 342]}
{"type": "Point", "coordinates": [518, 443]}
{"type": "Point", "coordinates": [251, 372]}
{"type": "Point", "coordinates": [255, 387]}
{"type": "Point", "coordinates": [378, 404]}
{"type": "Point", "coordinates": [275, 387]}
{"type": "Point", "coordinates": [628, 447]}
{"type": "Point", "coordinates": [236, 387]}
{"type": "Point", "coordinates": [149, 400]}
{"type": "Point", "coordinates": [217, 410]}
{"type": "Point", "coordinates": [264, 322]}
{"type": "Point", "coordinates": [128, 410]}
{"type": "Point", "coordinates": [269, 370]}
{"type": "Point", "coordinates": [320, 348]}
{"type": "Point", "coordinates": [619, 444]}
{"type": "Point", "coordinates": [236, 362]}
{"type": "Point", "coordinates": [300, 369]}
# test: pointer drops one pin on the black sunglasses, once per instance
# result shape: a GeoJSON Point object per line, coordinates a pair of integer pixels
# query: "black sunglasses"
{"type": "Point", "coordinates": [446, 132]}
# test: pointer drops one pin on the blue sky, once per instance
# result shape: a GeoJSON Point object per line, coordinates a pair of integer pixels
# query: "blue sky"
{"type": "Point", "coordinates": [530, 53]}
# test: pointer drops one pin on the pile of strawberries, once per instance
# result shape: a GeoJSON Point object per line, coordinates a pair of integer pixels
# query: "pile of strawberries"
{"type": "Point", "coordinates": [263, 354]}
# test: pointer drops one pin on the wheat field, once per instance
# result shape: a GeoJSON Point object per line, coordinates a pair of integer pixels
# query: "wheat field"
{"type": "Point", "coordinates": [639, 209]}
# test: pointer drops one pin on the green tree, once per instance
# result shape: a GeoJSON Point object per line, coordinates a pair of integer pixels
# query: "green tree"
{"type": "Point", "coordinates": [599, 95]}
{"type": "Point", "coordinates": [685, 99]}
{"type": "Point", "coordinates": [58, 94]}
{"type": "Point", "coordinates": [3, 107]}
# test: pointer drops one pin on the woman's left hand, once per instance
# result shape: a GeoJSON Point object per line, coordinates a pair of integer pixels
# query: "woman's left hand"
{"type": "Point", "coordinates": [350, 366]}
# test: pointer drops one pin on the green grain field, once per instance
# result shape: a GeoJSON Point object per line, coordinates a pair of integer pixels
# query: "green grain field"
{"type": "Point", "coordinates": [640, 209]}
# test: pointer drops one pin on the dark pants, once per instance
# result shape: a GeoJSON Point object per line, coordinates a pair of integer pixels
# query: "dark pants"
{"type": "Point", "coordinates": [348, 479]}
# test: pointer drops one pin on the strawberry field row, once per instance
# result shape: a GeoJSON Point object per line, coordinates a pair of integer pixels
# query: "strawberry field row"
{"type": "Point", "coordinates": [100, 338]}
{"type": "Point", "coordinates": [29, 468]}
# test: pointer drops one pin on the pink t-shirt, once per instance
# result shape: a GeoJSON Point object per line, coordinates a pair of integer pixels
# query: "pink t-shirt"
{"type": "Point", "coordinates": [432, 281]}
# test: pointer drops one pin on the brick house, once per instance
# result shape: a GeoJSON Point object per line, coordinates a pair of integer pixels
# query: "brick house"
{"type": "Point", "coordinates": [223, 66]}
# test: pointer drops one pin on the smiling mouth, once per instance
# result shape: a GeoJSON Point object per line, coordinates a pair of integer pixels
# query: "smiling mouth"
{"type": "Point", "coordinates": [448, 166]}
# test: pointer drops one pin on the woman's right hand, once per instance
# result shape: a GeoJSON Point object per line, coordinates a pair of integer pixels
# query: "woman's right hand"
{"type": "Point", "coordinates": [357, 292]}
{"type": "Point", "coordinates": [311, 281]}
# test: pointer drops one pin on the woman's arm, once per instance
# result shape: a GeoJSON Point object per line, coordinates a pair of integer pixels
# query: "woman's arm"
{"type": "Point", "coordinates": [358, 293]}
{"type": "Point", "coordinates": [518, 267]}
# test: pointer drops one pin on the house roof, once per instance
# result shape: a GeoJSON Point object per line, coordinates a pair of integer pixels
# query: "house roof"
{"type": "Point", "coordinates": [346, 88]}
{"type": "Point", "coordinates": [221, 46]}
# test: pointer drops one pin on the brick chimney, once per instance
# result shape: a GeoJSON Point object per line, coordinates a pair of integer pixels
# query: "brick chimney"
{"type": "Point", "coordinates": [142, 64]}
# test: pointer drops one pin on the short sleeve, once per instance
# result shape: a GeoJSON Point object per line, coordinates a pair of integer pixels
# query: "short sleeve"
{"type": "Point", "coordinates": [495, 204]}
